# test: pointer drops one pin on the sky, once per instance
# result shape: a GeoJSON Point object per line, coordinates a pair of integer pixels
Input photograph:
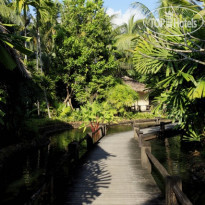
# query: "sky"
{"type": "Point", "coordinates": [124, 11]}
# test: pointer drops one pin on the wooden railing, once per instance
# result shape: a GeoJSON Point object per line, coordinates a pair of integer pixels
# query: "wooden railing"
{"type": "Point", "coordinates": [139, 136]}
{"type": "Point", "coordinates": [72, 156]}
{"type": "Point", "coordinates": [173, 184]}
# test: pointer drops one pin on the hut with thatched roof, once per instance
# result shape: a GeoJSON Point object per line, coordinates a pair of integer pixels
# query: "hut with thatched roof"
{"type": "Point", "coordinates": [142, 104]}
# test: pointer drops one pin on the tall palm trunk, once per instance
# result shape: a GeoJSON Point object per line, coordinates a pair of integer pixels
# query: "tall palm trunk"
{"type": "Point", "coordinates": [25, 26]}
{"type": "Point", "coordinates": [68, 98]}
{"type": "Point", "coordinates": [39, 61]}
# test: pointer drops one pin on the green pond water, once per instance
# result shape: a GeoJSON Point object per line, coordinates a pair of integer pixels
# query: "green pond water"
{"type": "Point", "coordinates": [179, 162]}
{"type": "Point", "coordinates": [25, 172]}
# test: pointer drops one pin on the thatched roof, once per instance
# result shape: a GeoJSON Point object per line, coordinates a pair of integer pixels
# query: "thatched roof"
{"type": "Point", "coordinates": [15, 55]}
{"type": "Point", "coordinates": [138, 87]}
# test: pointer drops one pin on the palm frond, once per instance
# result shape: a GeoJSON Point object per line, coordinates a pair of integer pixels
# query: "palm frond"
{"type": "Point", "coordinates": [145, 10]}
{"type": "Point", "coordinates": [9, 14]}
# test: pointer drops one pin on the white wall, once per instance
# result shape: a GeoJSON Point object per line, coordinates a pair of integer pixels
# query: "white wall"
{"type": "Point", "coordinates": [142, 101]}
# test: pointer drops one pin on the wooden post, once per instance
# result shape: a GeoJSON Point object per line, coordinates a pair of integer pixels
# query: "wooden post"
{"type": "Point", "coordinates": [93, 137]}
{"type": "Point", "coordinates": [135, 133]}
{"type": "Point", "coordinates": [73, 148]}
{"type": "Point", "coordinates": [89, 142]}
{"type": "Point", "coordinates": [52, 190]}
{"type": "Point", "coordinates": [100, 133]}
{"type": "Point", "coordinates": [140, 138]}
{"type": "Point", "coordinates": [171, 181]}
{"type": "Point", "coordinates": [157, 120]}
{"type": "Point", "coordinates": [144, 158]}
{"type": "Point", "coordinates": [133, 124]}
{"type": "Point", "coordinates": [162, 126]}
{"type": "Point", "coordinates": [105, 130]}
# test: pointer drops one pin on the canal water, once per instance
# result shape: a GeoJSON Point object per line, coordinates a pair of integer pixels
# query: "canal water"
{"type": "Point", "coordinates": [180, 162]}
{"type": "Point", "coordinates": [24, 173]}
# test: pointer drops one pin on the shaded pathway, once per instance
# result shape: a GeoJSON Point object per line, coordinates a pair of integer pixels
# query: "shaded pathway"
{"type": "Point", "coordinates": [112, 174]}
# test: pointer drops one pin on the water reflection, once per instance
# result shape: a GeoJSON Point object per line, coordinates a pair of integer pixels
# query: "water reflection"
{"type": "Point", "coordinates": [61, 141]}
{"type": "Point", "coordinates": [177, 162]}
{"type": "Point", "coordinates": [25, 172]}
{"type": "Point", "coordinates": [118, 128]}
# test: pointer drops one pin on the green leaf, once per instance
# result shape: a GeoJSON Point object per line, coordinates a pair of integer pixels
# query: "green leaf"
{"type": "Point", "coordinates": [199, 91]}
{"type": "Point", "coordinates": [200, 14]}
{"type": "Point", "coordinates": [23, 50]}
{"type": "Point", "coordinates": [188, 77]}
{"type": "Point", "coordinates": [10, 25]}
{"type": "Point", "coordinates": [9, 44]}
{"type": "Point", "coordinates": [6, 59]}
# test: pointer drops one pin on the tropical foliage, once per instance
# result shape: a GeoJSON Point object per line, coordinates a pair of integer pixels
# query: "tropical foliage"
{"type": "Point", "coordinates": [84, 53]}
{"type": "Point", "coordinates": [64, 60]}
{"type": "Point", "coordinates": [173, 66]}
{"type": "Point", "coordinates": [67, 54]}
{"type": "Point", "coordinates": [121, 97]}
{"type": "Point", "coordinates": [95, 113]}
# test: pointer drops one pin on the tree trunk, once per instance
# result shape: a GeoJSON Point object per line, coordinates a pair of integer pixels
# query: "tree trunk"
{"type": "Point", "coordinates": [39, 50]}
{"type": "Point", "coordinates": [38, 108]}
{"type": "Point", "coordinates": [47, 103]}
{"type": "Point", "coordinates": [68, 98]}
{"type": "Point", "coordinates": [39, 54]}
{"type": "Point", "coordinates": [25, 32]}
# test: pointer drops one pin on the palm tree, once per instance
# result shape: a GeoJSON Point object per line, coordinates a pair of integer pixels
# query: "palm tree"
{"type": "Point", "coordinates": [8, 13]}
{"type": "Point", "coordinates": [10, 60]}
{"type": "Point", "coordinates": [43, 9]}
{"type": "Point", "coordinates": [127, 33]}
{"type": "Point", "coordinates": [23, 6]}
{"type": "Point", "coordinates": [174, 67]}
{"type": "Point", "coordinates": [123, 41]}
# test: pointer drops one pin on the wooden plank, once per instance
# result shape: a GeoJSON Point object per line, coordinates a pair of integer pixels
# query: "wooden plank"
{"type": "Point", "coordinates": [147, 137]}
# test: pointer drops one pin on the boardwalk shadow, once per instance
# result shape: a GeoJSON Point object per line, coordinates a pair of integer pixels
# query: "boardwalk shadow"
{"type": "Point", "coordinates": [90, 179]}
{"type": "Point", "coordinates": [156, 200]}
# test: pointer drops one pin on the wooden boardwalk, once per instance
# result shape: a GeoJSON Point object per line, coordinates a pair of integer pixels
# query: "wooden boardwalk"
{"type": "Point", "coordinates": [152, 130]}
{"type": "Point", "coordinates": [112, 175]}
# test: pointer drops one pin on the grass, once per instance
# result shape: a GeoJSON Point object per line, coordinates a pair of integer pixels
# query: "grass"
{"type": "Point", "coordinates": [141, 115]}
{"type": "Point", "coordinates": [32, 126]}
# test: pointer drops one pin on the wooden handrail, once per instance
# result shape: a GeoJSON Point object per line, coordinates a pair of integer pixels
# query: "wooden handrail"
{"type": "Point", "coordinates": [73, 156]}
{"type": "Point", "coordinates": [181, 197]}
{"type": "Point", "coordinates": [174, 193]}
{"type": "Point", "coordinates": [146, 120]}
{"type": "Point", "coordinates": [157, 164]}
{"type": "Point", "coordinates": [161, 125]}
{"type": "Point", "coordinates": [170, 188]}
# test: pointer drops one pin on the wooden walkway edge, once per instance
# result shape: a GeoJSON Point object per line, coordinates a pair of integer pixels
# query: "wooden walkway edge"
{"type": "Point", "coordinates": [112, 175]}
